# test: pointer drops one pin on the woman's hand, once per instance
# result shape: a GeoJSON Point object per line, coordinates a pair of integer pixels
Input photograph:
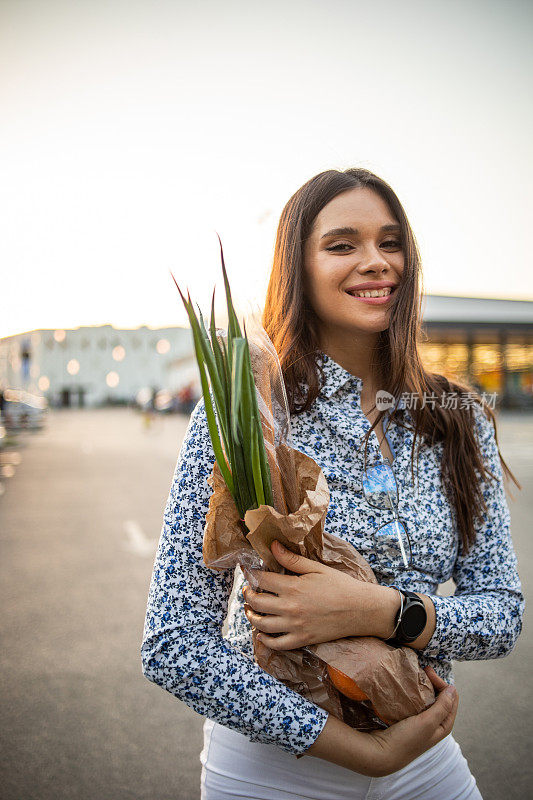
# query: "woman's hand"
{"type": "Point", "coordinates": [319, 604]}
{"type": "Point", "coordinates": [380, 753]}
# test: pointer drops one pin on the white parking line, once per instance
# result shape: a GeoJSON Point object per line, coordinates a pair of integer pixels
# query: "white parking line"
{"type": "Point", "coordinates": [137, 542]}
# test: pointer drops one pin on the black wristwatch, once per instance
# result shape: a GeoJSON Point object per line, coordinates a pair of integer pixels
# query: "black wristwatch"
{"type": "Point", "coordinates": [410, 620]}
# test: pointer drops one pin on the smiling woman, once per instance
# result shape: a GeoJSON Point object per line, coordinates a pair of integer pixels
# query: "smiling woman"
{"type": "Point", "coordinates": [343, 312]}
{"type": "Point", "coordinates": [357, 239]}
{"type": "Point", "coordinates": [344, 264]}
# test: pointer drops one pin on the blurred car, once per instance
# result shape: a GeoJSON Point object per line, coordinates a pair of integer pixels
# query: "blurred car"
{"type": "Point", "coordinates": [181, 402]}
{"type": "Point", "coordinates": [23, 410]}
{"type": "Point", "coordinates": [165, 401]}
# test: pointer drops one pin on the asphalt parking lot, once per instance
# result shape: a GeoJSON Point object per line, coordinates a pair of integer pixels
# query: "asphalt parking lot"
{"type": "Point", "coordinates": [80, 517]}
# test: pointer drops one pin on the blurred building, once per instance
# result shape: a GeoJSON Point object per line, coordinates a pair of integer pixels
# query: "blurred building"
{"type": "Point", "coordinates": [486, 342]}
{"type": "Point", "coordinates": [90, 366]}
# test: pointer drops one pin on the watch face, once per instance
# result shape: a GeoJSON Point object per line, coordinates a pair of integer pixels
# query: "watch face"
{"type": "Point", "coordinates": [414, 620]}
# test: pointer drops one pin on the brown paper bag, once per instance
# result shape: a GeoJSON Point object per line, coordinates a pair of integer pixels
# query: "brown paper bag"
{"type": "Point", "coordinates": [391, 677]}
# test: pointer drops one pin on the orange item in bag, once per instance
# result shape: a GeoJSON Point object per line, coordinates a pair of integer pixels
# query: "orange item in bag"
{"type": "Point", "coordinates": [345, 684]}
{"type": "Point", "coordinates": [349, 688]}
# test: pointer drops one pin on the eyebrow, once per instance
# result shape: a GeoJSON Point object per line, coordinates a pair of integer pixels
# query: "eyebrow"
{"type": "Point", "coordinates": [354, 231]}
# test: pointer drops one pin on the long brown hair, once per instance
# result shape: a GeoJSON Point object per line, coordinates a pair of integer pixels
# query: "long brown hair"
{"type": "Point", "coordinates": [291, 324]}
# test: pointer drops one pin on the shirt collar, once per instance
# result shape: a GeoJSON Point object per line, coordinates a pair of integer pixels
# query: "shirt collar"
{"type": "Point", "coordinates": [335, 377]}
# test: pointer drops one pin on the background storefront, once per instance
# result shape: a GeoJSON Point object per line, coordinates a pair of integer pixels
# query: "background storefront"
{"type": "Point", "coordinates": [486, 342]}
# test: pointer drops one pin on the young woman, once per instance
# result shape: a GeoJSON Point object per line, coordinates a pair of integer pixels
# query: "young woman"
{"type": "Point", "coordinates": [343, 311]}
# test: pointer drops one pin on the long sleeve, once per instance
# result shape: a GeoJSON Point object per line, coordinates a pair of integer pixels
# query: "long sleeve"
{"type": "Point", "coordinates": [183, 649]}
{"type": "Point", "coordinates": [483, 619]}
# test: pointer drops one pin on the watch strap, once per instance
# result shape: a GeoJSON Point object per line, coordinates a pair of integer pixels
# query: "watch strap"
{"type": "Point", "coordinates": [398, 614]}
{"type": "Point", "coordinates": [398, 637]}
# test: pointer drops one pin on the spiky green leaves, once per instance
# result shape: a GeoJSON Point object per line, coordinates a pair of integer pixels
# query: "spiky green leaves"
{"type": "Point", "coordinates": [246, 470]}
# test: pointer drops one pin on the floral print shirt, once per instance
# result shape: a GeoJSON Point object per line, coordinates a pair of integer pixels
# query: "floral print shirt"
{"type": "Point", "coordinates": [183, 648]}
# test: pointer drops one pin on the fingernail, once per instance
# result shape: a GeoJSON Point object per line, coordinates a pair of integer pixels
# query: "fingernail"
{"type": "Point", "coordinates": [451, 690]}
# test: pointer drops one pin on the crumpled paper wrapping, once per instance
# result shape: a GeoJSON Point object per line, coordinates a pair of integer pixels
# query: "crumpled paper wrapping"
{"type": "Point", "coordinates": [390, 676]}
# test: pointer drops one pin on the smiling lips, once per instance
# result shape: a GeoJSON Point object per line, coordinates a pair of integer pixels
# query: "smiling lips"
{"type": "Point", "coordinates": [372, 294]}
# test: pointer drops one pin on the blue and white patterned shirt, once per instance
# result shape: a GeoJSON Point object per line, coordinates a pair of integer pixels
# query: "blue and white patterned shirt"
{"type": "Point", "coordinates": [183, 649]}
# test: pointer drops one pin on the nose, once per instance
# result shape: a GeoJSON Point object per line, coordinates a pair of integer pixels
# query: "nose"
{"type": "Point", "coordinates": [375, 263]}
{"type": "Point", "coordinates": [377, 267]}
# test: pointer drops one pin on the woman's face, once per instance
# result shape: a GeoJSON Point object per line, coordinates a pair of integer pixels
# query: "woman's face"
{"type": "Point", "coordinates": [367, 251]}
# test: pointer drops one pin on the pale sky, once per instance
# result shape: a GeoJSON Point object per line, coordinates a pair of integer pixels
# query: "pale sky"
{"type": "Point", "coordinates": [131, 131]}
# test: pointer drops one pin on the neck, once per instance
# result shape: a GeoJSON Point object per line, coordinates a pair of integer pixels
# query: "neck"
{"type": "Point", "coordinates": [355, 355]}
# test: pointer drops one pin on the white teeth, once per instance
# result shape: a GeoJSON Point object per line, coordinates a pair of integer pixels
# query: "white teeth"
{"type": "Point", "coordinates": [373, 292]}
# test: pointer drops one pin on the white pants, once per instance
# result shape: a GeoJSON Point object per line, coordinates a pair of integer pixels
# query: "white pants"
{"type": "Point", "coordinates": [234, 767]}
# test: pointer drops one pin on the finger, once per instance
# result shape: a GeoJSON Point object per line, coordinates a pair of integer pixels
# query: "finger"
{"type": "Point", "coordinates": [438, 720]}
{"type": "Point", "coordinates": [267, 623]}
{"type": "Point", "coordinates": [449, 720]}
{"type": "Point", "coordinates": [269, 581]}
{"type": "Point", "coordinates": [263, 601]}
{"type": "Point", "coordinates": [435, 679]}
{"type": "Point", "coordinates": [286, 642]}
{"type": "Point", "coordinates": [293, 561]}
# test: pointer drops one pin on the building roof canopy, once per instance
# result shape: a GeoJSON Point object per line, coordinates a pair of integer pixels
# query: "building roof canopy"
{"type": "Point", "coordinates": [444, 308]}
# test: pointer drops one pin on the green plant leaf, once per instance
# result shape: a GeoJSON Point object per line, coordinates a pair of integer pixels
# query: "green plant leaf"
{"type": "Point", "coordinates": [231, 404]}
{"type": "Point", "coordinates": [211, 421]}
{"type": "Point", "coordinates": [216, 382]}
{"type": "Point", "coordinates": [220, 358]}
{"type": "Point", "coordinates": [233, 322]}
{"type": "Point", "coordinates": [236, 387]}
{"type": "Point", "coordinates": [256, 417]}
{"type": "Point", "coordinates": [256, 465]}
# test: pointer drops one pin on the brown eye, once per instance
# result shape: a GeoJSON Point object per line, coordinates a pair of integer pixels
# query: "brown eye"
{"type": "Point", "coordinates": [336, 247]}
